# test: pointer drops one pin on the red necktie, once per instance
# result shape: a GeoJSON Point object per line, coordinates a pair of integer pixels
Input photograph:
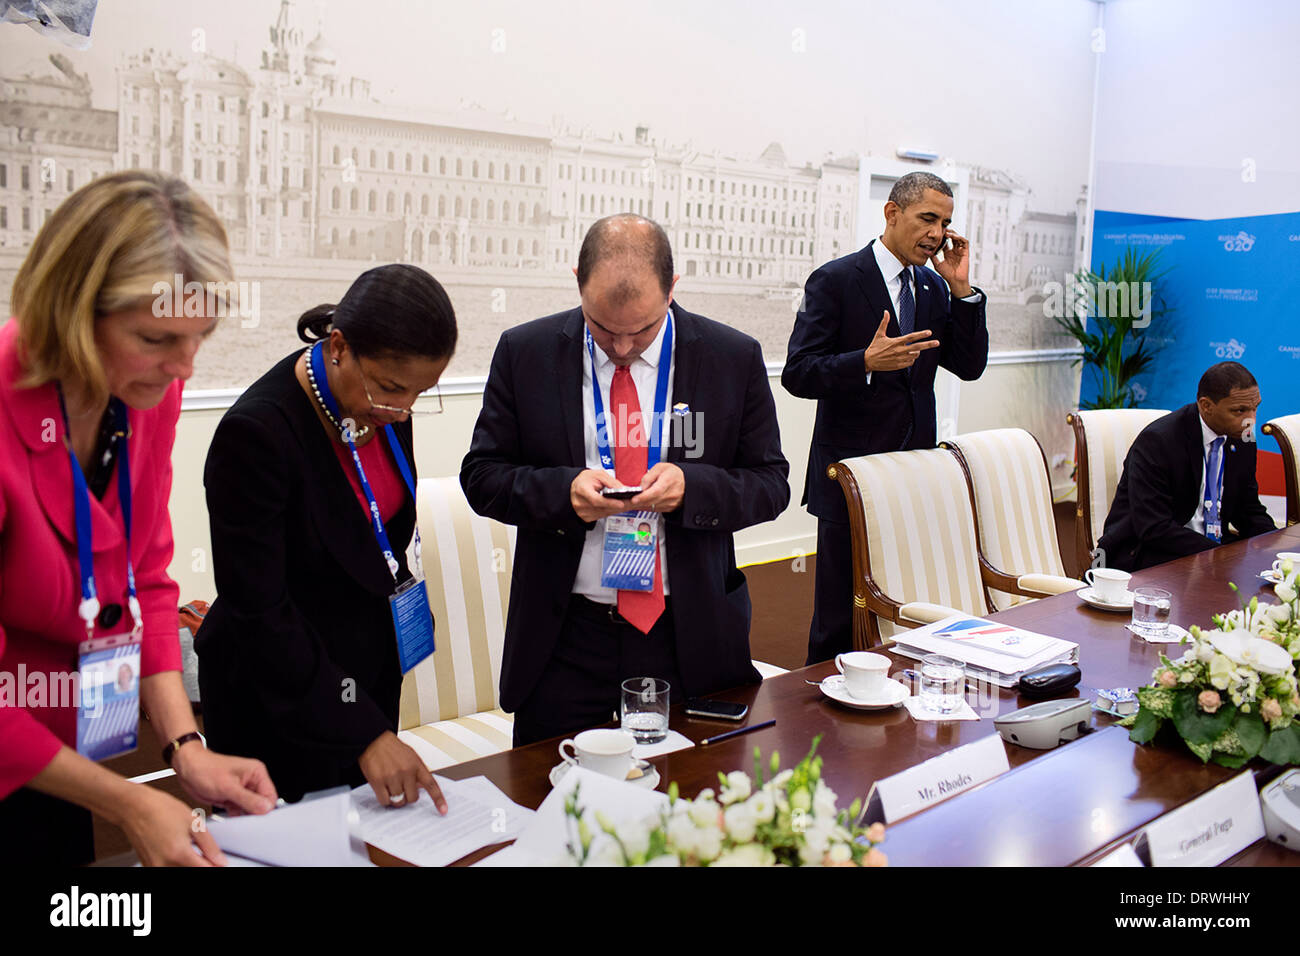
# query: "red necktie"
{"type": "Point", "coordinates": [639, 608]}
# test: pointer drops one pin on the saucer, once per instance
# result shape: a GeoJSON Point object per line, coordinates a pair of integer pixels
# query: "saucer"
{"type": "Point", "coordinates": [895, 693]}
{"type": "Point", "coordinates": [648, 780]}
{"type": "Point", "coordinates": [1090, 597]}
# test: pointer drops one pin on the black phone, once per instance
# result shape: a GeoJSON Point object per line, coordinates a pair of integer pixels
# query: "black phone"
{"type": "Point", "coordinates": [621, 493]}
{"type": "Point", "coordinates": [716, 709]}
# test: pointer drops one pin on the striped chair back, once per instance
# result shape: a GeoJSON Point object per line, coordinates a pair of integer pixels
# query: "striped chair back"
{"type": "Point", "coordinates": [467, 562]}
{"type": "Point", "coordinates": [1103, 437]}
{"type": "Point", "coordinates": [1013, 504]}
{"type": "Point", "coordinates": [920, 530]}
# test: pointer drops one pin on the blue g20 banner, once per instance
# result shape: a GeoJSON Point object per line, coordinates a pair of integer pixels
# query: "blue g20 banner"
{"type": "Point", "coordinates": [1231, 288]}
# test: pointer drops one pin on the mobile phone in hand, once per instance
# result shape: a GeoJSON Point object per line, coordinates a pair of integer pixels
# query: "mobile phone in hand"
{"type": "Point", "coordinates": [621, 493]}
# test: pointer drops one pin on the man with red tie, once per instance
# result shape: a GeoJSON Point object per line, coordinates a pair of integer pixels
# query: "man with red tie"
{"type": "Point", "coordinates": [627, 391]}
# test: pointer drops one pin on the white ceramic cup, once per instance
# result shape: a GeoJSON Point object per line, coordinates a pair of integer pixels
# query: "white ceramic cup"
{"type": "Point", "coordinates": [606, 751]}
{"type": "Point", "coordinates": [1292, 556]}
{"type": "Point", "coordinates": [864, 673]}
{"type": "Point", "coordinates": [1109, 584]}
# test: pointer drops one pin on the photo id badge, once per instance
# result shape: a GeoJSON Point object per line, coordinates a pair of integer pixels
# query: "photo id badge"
{"type": "Point", "coordinates": [108, 713]}
{"type": "Point", "coordinates": [413, 623]}
{"type": "Point", "coordinates": [631, 543]}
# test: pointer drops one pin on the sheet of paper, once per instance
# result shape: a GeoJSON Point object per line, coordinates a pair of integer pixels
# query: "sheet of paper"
{"type": "Point", "coordinates": [478, 815]}
{"type": "Point", "coordinates": [312, 832]}
{"type": "Point", "coordinates": [673, 742]}
{"type": "Point", "coordinates": [916, 707]}
{"type": "Point", "coordinates": [543, 841]}
{"type": "Point", "coordinates": [1174, 634]}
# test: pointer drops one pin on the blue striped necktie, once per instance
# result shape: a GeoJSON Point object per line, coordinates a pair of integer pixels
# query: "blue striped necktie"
{"type": "Point", "coordinates": [1213, 491]}
{"type": "Point", "coordinates": [906, 304]}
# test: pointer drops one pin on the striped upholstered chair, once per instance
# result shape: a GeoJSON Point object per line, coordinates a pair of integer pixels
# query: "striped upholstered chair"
{"type": "Point", "coordinates": [449, 707]}
{"type": "Point", "coordinates": [1101, 439]}
{"type": "Point", "coordinates": [1286, 430]}
{"type": "Point", "coordinates": [1014, 523]}
{"type": "Point", "coordinates": [450, 710]}
{"type": "Point", "coordinates": [915, 558]}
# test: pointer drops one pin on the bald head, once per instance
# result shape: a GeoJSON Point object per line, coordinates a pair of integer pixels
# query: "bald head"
{"type": "Point", "coordinates": [629, 247]}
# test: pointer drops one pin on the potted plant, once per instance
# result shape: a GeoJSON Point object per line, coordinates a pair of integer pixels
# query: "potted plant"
{"type": "Point", "coordinates": [1108, 315]}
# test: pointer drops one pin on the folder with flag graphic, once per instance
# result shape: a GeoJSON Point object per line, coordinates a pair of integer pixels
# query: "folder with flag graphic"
{"type": "Point", "coordinates": [990, 650]}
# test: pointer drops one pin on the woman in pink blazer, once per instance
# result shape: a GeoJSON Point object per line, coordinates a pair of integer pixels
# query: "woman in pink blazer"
{"type": "Point", "coordinates": [93, 340]}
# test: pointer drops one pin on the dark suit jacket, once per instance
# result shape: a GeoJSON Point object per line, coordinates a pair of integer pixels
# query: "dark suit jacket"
{"type": "Point", "coordinates": [298, 655]}
{"type": "Point", "coordinates": [528, 447]}
{"type": "Point", "coordinates": [1159, 491]}
{"type": "Point", "coordinates": [842, 305]}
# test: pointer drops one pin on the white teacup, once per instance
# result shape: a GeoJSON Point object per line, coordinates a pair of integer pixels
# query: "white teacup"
{"type": "Point", "coordinates": [1292, 556]}
{"type": "Point", "coordinates": [864, 673]}
{"type": "Point", "coordinates": [606, 751]}
{"type": "Point", "coordinates": [1109, 584]}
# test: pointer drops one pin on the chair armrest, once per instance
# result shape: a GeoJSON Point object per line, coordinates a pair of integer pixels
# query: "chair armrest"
{"type": "Point", "coordinates": [918, 613]}
{"type": "Point", "coordinates": [1047, 584]}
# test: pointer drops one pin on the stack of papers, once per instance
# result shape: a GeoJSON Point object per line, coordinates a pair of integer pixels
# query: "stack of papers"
{"type": "Point", "coordinates": [991, 651]}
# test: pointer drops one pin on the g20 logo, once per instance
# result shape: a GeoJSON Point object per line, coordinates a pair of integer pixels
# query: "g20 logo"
{"type": "Point", "coordinates": [1241, 242]}
{"type": "Point", "coordinates": [1232, 349]}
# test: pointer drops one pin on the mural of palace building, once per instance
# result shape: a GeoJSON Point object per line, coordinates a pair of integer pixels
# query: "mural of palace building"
{"type": "Point", "coordinates": [51, 143]}
{"type": "Point", "coordinates": [302, 162]}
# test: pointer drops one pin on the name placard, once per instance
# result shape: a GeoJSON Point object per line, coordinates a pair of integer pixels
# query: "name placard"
{"type": "Point", "coordinates": [934, 781]}
{"type": "Point", "coordinates": [1124, 856]}
{"type": "Point", "coordinates": [1211, 828]}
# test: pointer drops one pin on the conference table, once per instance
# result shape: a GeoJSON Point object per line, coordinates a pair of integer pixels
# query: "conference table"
{"type": "Point", "coordinates": [1067, 806]}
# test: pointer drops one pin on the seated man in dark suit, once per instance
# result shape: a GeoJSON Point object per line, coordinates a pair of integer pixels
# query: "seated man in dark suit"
{"type": "Point", "coordinates": [1189, 479]}
{"type": "Point", "coordinates": [544, 447]}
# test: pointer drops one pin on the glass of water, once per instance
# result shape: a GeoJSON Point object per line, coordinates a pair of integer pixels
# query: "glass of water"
{"type": "Point", "coordinates": [644, 710]}
{"type": "Point", "coordinates": [1151, 608]}
{"type": "Point", "coordinates": [943, 683]}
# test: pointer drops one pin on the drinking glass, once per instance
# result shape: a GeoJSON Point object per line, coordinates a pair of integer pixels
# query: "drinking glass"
{"type": "Point", "coordinates": [942, 683]}
{"type": "Point", "coordinates": [644, 710]}
{"type": "Point", "coordinates": [1151, 607]}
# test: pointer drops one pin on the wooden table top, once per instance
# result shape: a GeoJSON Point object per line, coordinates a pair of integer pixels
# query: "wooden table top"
{"type": "Point", "coordinates": [1054, 808]}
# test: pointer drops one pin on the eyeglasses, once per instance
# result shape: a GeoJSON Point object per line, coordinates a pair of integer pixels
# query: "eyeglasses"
{"type": "Point", "coordinates": [391, 409]}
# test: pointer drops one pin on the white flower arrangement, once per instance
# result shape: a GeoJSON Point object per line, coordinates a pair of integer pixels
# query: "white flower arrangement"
{"type": "Point", "coordinates": [791, 819]}
{"type": "Point", "coordinates": [1232, 695]}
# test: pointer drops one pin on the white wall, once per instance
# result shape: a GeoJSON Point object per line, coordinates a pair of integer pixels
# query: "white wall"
{"type": "Point", "coordinates": [1027, 390]}
{"type": "Point", "coordinates": [1191, 92]}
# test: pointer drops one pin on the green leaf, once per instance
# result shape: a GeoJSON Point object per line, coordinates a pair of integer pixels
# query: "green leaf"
{"type": "Point", "coordinates": [1201, 750]}
{"type": "Point", "coordinates": [1251, 732]}
{"type": "Point", "coordinates": [1145, 726]}
{"type": "Point", "coordinates": [1225, 760]}
{"type": "Point", "coordinates": [1282, 746]}
{"type": "Point", "coordinates": [1196, 726]}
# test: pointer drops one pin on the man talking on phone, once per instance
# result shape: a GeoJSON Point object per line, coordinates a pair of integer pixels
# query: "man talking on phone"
{"type": "Point", "coordinates": [581, 442]}
{"type": "Point", "coordinates": [871, 331]}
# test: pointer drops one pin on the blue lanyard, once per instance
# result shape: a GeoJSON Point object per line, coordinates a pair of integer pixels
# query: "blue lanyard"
{"type": "Point", "coordinates": [88, 609]}
{"type": "Point", "coordinates": [322, 382]}
{"type": "Point", "coordinates": [661, 401]}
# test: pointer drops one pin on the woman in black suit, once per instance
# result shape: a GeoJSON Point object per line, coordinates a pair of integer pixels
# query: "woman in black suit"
{"type": "Point", "coordinates": [299, 655]}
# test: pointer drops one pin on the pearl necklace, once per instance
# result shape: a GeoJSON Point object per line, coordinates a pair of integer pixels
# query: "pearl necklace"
{"type": "Point", "coordinates": [315, 390]}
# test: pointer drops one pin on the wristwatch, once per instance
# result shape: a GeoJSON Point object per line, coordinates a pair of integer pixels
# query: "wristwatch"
{"type": "Point", "coordinates": [170, 750]}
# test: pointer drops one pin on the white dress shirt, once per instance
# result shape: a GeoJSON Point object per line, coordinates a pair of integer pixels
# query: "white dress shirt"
{"type": "Point", "coordinates": [891, 270]}
{"type": "Point", "coordinates": [1197, 523]}
{"type": "Point", "coordinates": [645, 373]}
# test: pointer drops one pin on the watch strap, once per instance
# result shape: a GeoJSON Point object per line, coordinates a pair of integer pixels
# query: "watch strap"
{"type": "Point", "coordinates": [170, 750]}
